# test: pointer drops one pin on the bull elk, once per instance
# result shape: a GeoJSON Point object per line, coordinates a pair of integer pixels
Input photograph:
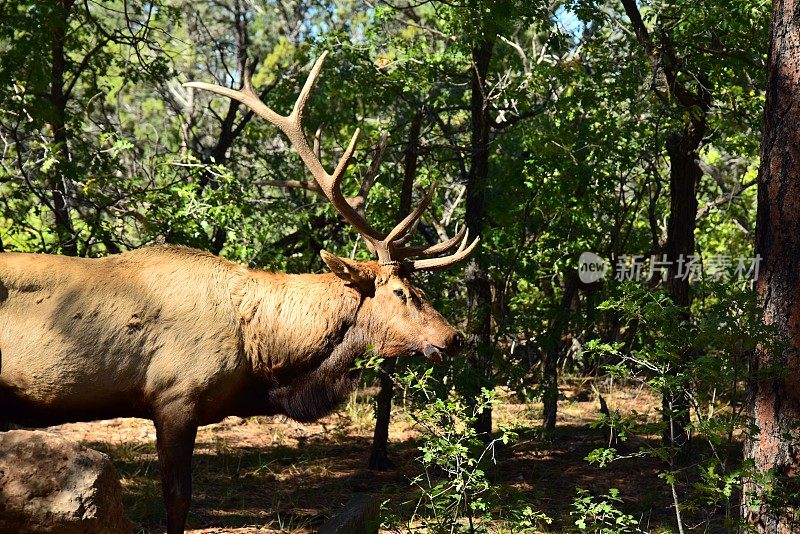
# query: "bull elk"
{"type": "Point", "coordinates": [186, 338]}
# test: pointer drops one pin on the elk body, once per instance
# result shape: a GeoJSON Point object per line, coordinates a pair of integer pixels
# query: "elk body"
{"type": "Point", "coordinates": [186, 338]}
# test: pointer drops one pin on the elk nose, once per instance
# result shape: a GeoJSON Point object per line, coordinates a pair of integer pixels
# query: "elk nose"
{"type": "Point", "coordinates": [457, 342]}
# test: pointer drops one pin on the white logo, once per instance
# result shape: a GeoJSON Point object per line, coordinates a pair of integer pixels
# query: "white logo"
{"type": "Point", "coordinates": [591, 267]}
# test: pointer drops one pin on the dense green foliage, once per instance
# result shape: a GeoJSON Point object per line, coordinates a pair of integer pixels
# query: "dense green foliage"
{"type": "Point", "coordinates": [104, 150]}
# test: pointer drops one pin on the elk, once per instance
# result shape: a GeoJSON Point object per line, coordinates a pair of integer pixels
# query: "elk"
{"type": "Point", "coordinates": [186, 338]}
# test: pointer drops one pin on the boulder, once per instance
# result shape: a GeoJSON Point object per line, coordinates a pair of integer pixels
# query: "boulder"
{"type": "Point", "coordinates": [361, 515]}
{"type": "Point", "coordinates": [50, 484]}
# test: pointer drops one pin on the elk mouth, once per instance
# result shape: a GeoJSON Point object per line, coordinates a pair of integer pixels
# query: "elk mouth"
{"type": "Point", "coordinates": [432, 352]}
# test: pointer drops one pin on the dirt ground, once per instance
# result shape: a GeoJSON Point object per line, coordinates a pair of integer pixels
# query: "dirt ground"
{"type": "Point", "coordinates": [276, 475]}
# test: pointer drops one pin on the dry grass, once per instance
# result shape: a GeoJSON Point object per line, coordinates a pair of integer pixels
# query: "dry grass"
{"type": "Point", "coordinates": [275, 475]}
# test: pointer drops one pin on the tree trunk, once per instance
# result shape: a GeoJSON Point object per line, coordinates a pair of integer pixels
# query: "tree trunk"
{"type": "Point", "coordinates": [60, 176]}
{"type": "Point", "coordinates": [552, 349]}
{"type": "Point", "coordinates": [229, 131]}
{"type": "Point", "coordinates": [774, 386]}
{"type": "Point", "coordinates": [479, 293]}
{"type": "Point", "coordinates": [379, 455]}
{"type": "Point", "coordinates": [685, 174]}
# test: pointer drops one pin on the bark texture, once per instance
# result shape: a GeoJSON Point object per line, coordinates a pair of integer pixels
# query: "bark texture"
{"type": "Point", "coordinates": [379, 455]}
{"type": "Point", "coordinates": [685, 173]}
{"type": "Point", "coordinates": [60, 177]}
{"type": "Point", "coordinates": [479, 292]}
{"type": "Point", "coordinates": [774, 389]}
{"type": "Point", "coordinates": [552, 350]}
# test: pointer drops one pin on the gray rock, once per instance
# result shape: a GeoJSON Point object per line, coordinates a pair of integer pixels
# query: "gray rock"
{"type": "Point", "coordinates": [50, 484]}
{"type": "Point", "coordinates": [361, 515]}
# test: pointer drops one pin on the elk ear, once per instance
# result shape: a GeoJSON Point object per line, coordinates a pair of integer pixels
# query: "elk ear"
{"type": "Point", "coordinates": [348, 270]}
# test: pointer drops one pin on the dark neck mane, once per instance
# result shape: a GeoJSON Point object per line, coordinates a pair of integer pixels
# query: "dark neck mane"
{"type": "Point", "coordinates": [316, 393]}
{"type": "Point", "coordinates": [301, 336]}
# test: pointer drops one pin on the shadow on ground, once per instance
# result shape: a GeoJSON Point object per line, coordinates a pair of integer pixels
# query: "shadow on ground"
{"type": "Point", "coordinates": [275, 475]}
{"type": "Point", "coordinates": [295, 488]}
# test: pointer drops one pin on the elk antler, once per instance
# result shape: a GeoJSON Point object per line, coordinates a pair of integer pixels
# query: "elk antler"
{"type": "Point", "coordinates": [390, 247]}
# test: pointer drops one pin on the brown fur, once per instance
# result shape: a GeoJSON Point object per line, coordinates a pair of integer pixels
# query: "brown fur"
{"type": "Point", "coordinates": [186, 338]}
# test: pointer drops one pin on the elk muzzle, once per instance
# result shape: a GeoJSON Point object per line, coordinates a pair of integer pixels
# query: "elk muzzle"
{"type": "Point", "coordinates": [452, 345]}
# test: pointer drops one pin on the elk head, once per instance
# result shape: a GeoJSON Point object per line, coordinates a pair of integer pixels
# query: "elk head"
{"type": "Point", "coordinates": [409, 323]}
{"type": "Point", "coordinates": [398, 314]}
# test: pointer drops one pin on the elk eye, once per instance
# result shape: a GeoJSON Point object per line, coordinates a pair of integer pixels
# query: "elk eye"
{"type": "Point", "coordinates": [400, 294]}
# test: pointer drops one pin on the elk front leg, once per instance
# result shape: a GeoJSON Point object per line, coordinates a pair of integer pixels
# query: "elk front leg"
{"type": "Point", "coordinates": [5, 416]}
{"type": "Point", "coordinates": [175, 435]}
{"type": "Point", "coordinates": [3, 404]}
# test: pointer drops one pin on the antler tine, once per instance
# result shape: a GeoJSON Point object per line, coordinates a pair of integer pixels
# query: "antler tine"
{"type": "Point", "coordinates": [460, 238]}
{"type": "Point", "coordinates": [437, 264]}
{"type": "Point", "coordinates": [305, 92]}
{"type": "Point", "coordinates": [344, 161]}
{"type": "Point", "coordinates": [399, 230]}
{"type": "Point", "coordinates": [404, 240]}
{"type": "Point", "coordinates": [246, 96]}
